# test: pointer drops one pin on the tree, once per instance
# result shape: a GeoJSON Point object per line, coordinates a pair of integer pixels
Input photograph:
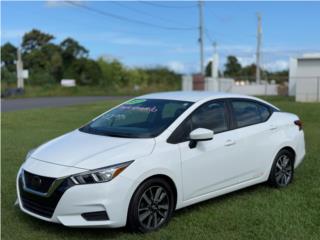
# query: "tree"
{"type": "Point", "coordinates": [72, 50]}
{"type": "Point", "coordinates": [249, 72]}
{"type": "Point", "coordinates": [54, 61]}
{"type": "Point", "coordinates": [8, 56]}
{"type": "Point", "coordinates": [47, 59]}
{"type": "Point", "coordinates": [8, 66]}
{"type": "Point", "coordinates": [35, 39]}
{"type": "Point", "coordinates": [208, 69]}
{"type": "Point", "coordinates": [163, 76]}
{"type": "Point", "coordinates": [113, 72]}
{"type": "Point", "coordinates": [84, 71]}
{"type": "Point", "coordinates": [232, 67]}
{"type": "Point", "coordinates": [279, 76]}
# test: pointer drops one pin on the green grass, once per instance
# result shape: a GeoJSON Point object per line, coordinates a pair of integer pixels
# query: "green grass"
{"type": "Point", "coordinates": [56, 90]}
{"type": "Point", "coordinates": [258, 212]}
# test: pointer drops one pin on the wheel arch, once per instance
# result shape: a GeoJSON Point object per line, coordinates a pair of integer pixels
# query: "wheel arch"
{"type": "Point", "coordinates": [284, 147]}
{"type": "Point", "coordinates": [166, 178]}
{"type": "Point", "coordinates": [290, 149]}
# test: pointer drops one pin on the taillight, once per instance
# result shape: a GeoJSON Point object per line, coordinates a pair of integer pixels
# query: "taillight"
{"type": "Point", "coordinates": [298, 123]}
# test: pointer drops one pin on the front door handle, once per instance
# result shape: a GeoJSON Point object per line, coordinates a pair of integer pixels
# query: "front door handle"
{"type": "Point", "coordinates": [230, 142]}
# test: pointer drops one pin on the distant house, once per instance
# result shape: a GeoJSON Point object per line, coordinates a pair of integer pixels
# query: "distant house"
{"type": "Point", "coordinates": [304, 78]}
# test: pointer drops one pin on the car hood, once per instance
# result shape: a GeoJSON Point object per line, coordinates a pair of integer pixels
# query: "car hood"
{"type": "Point", "coordinates": [88, 151]}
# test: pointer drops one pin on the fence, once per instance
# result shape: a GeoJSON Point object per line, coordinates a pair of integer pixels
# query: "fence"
{"type": "Point", "coordinates": [228, 85]}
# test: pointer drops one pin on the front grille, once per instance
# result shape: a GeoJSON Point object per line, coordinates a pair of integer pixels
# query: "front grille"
{"type": "Point", "coordinates": [37, 183]}
{"type": "Point", "coordinates": [37, 208]}
{"type": "Point", "coordinates": [42, 205]}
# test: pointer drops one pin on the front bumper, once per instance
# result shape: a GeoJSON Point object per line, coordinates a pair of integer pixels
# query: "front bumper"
{"type": "Point", "coordinates": [111, 197]}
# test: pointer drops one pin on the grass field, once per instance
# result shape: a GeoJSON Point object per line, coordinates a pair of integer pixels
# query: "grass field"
{"type": "Point", "coordinates": [257, 212]}
{"type": "Point", "coordinates": [56, 90]}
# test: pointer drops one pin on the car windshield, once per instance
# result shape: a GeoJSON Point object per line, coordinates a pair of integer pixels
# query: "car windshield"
{"type": "Point", "coordinates": [137, 118]}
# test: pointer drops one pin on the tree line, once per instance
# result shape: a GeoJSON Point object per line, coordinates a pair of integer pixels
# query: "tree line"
{"type": "Point", "coordinates": [234, 69]}
{"type": "Point", "coordinates": [49, 62]}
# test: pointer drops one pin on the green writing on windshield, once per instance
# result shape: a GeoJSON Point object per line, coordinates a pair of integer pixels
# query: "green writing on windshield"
{"type": "Point", "coordinates": [135, 101]}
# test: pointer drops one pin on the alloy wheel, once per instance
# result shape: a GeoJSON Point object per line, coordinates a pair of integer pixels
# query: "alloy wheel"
{"type": "Point", "coordinates": [153, 207]}
{"type": "Point", "coordinates": [283, 170]}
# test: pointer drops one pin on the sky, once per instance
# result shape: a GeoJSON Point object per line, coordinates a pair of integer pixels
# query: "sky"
{"type": "Point", "coordinates": [147, 34]}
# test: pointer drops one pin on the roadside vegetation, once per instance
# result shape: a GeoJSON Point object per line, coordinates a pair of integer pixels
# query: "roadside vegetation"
{"type": "Point", "coordinates": [258, 212]}
{"type": "Point", "coordinates": [48, 62]}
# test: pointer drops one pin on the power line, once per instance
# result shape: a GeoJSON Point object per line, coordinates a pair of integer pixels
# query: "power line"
{"type": "Point", "coordinates": [208, 35]}
{"type": "Point", "coordinates": [152, 3]}
{"type": "Point", "coordinates": [145, 12]}
{"type": "Point", "coordinates": [126, 19]}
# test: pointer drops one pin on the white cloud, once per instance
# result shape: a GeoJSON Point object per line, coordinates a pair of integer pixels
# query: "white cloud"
{"type": "Point", "coordinates": [230, 49]}
{"type": "Point", "coordinates": [114, 38]}
{"type": "Point", "coordinates": [277, 65]}
{"type": "Point", "coordinates": [177, 66]}
{"type": "Point", "coordinates": [245, 61]}
{"type": "Point", "coordinates": [123, 40]}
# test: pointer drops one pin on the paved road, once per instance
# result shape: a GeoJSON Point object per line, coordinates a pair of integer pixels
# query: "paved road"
{"type": "Point", "coordinates": [8, 105]}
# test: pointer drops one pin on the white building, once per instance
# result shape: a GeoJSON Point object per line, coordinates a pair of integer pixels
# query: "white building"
{"type": "Point", "coordinates": [304, 78]}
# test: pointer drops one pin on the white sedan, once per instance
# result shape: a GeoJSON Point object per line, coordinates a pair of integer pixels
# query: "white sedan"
{"type": "Point", "coordinates": [136, 163]}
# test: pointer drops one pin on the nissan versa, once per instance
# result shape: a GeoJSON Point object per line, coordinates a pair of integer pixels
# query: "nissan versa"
{"type": "Point", "coordinates": [138, 162]}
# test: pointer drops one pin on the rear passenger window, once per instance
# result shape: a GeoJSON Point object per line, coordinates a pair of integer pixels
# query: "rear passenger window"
{"type": "Point", "coordinates": [248, 113]}
{"type": "Point", "coordinates": [264, 112]}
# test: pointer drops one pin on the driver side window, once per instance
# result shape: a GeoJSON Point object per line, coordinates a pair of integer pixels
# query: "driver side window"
{"type": "Point", "coordinates": [211, 115]}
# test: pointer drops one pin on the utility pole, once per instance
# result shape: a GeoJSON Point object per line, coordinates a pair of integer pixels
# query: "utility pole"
{"type": "Point", "coordinates": [214, 45]}
{"type": "Point", "coordinates": [19, 70]}
{"type": "Point", "coordinates": [214, 59]}
{"type": "Point", "coordinates": [201, 36]}
{"type": "Point", "coordinates": [259, 35]}
{"type": "Point", "coordinates": [215, 67]}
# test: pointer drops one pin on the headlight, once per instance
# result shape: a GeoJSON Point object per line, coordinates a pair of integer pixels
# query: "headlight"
{"type": "Point", "coordinates": [30, 153]}
{"type": "Point", "coordinates": [100, 175]}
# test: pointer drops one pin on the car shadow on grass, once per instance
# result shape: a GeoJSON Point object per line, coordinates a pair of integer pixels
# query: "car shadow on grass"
{"type": "Point", "coordinates": [57, 230]}
{"type": "Point", "coordinates": [223, 198]}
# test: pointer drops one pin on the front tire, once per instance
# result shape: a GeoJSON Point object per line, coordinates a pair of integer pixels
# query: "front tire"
{"type": "Point", "coordinates": [151, 206]}
{"type": "Point", "coordinates": [282, 169]}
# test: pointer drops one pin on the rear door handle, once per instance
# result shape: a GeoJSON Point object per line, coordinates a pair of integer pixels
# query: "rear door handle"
{"type": "Point", "coordinates": [230, 143]}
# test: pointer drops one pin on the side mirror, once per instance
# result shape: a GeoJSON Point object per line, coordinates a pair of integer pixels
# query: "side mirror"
{"type": "Point", "coordinates": [199, 134]}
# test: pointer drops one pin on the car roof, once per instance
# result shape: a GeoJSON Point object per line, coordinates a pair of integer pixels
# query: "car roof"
{"type": "Point", "coordinates": [192, 96]}
{"type": "Point", "coordinates": [195, 96]}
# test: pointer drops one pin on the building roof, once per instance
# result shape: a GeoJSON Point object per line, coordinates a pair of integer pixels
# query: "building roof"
{"type": "Point", "coordinates": [309, 56]}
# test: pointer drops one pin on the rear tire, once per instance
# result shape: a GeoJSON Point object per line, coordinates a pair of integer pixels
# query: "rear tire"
{"type": "Point", "coordinates": [151, 206]}
{"type": "Point", "coordinates": [282, 170]}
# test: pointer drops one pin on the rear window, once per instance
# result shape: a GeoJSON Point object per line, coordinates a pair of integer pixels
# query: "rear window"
{"type": "Point", "coordinates": [248, 112]}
